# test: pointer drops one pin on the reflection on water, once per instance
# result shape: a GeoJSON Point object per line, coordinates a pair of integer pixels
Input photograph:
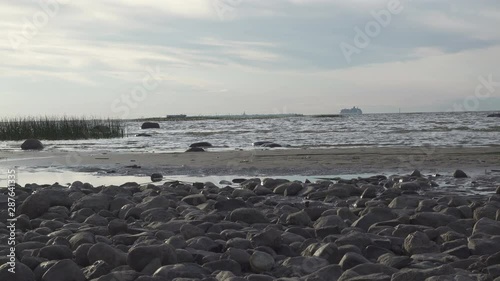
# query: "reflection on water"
{"type": "Point", "coordinates": [477, 184]}
{"type": "Point", "coordinates": [66, 177]}
{"type": "Point", "coordinates": [50, 176]}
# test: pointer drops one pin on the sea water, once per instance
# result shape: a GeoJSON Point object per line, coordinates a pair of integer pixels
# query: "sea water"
{"type": "Point", "coordinates": [452, 129]}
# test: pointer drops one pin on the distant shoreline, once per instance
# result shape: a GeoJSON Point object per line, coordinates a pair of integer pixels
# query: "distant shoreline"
{"type": "Point", "coordinates": [275, 116]}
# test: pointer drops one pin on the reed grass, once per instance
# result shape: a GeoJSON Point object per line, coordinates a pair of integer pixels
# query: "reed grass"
{"type": "Point", "coordinates": [60, 128]}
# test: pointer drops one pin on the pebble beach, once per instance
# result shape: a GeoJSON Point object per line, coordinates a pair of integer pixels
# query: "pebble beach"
{"type": "Point", "coordinates": [411, 226]}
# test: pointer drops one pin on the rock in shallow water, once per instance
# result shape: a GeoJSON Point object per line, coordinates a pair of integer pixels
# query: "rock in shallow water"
{"type": "Point", "coordinates": [201, 144]}
{"type": "Point", "coordinates": [32, 144]}
{"type": "Point", "coordinates": [150, 125]}
{"type": "Point", "coordinates": [271, 145]}
{"type": "Point", "coordinates": [156, 177]}
{"type": "Point", "coordinates": [459, 174]}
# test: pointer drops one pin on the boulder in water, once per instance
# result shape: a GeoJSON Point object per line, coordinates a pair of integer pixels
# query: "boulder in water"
{"type": "Point", "coordinates": [150, 125]}
{"type": "Point", "coordinates": [260, 143]}
{"type": "Point", "coordinates": [156, 177]}
{"type": "Point", "coordinates": [201, 144]}
{"type": "Point", "coordinates": [459, 174]}
{"type": "Point", "coordinates": [195, 149]}
{"type": "Point", "coordinates": [32, 144]}
{"type": "Point", "coordinates": [271, 145]}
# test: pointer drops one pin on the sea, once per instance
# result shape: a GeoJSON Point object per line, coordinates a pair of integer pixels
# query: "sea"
{"type": "Point", "coordinates": [445, 129]}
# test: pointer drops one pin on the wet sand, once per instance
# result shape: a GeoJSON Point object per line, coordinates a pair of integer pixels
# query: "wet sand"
{"type": "Point", "coordinates": [268, 162]}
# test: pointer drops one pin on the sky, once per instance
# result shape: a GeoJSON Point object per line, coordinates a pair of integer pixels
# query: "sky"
{"type": "Point", "coordinates": [148, 58]}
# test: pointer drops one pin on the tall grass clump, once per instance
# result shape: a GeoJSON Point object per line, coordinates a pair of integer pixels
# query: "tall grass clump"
{"type": "Point", "coordinates": [60, 128]}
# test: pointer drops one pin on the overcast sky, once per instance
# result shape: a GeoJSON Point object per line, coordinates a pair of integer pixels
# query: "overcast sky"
{"type": "Point", "coordinates": [131, 58]}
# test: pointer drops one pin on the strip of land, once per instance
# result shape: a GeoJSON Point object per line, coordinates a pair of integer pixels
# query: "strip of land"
{"type": "Point", "coordinates": [269, 162]}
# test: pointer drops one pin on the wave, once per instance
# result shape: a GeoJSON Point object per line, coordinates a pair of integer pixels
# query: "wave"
{"type": "Point", "coordinates": [211, 133]}
{"type": "Point", "coordinates": [448, 129]}
{"type": "Point", "coordinates": [490, 129]}
{"type": "Point", "coordinates": [437, 129]}
{"type": "Point", "coordinates": [315, 131]}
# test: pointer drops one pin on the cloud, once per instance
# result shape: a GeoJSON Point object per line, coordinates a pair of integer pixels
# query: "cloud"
{"type": "Point", "coordinates": [284, 52]}
{"type": "Point", "coordinates": [246, 50]}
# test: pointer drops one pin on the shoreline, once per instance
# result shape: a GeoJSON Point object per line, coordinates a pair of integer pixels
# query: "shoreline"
{"type": "Point", "coordinates": [301, 161]}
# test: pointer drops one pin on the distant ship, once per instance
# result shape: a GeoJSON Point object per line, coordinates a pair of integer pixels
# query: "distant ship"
{"type": "Point", "coordinates": [352, 111]}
